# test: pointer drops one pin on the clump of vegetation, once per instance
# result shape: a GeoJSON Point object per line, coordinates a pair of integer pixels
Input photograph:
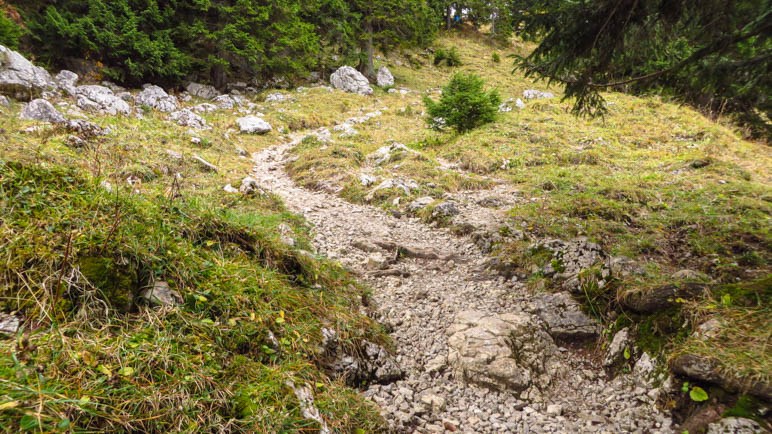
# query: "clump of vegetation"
{"type": "Point", "coordinates": [495, 57]}
{"type": "Point", "coordinates": [136, 42]}
{"type": "Point", "coordinates": [447, 57]}
{"type": "Point", "coordinates": [90, 358]}
{"type": "Point", "coordinates": [464, 104]}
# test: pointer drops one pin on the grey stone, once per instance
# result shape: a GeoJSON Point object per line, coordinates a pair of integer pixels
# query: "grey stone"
{"type": "Point", "coordinates": [4, 101]}
{"type": "Point", "coordinates": [444, 210]}
{"type": "Point", "coordinates": [537, 94]}
{"type": "Point", "coordinates": [309, 411]}
{"type": "Point", "coordinates": [691, 275]}
{"type": "Point", "coordinates": [160, 295]}
{"type": "Point", "coordinates": [645, 366]}
{"type": "Point", "coordinates": [555, 409]}
{"type": "Point", "coordinates": [419, 204]}
{"type": "Point", "coordinates": [249, 185]}
{"type": "Point", "coordinates": [253, 125]}
{"type": "Point", "coordinates": [372, 363]}
{"type": "Point", "coordinates": [388, 153]}
{"type": "Point", "coordinates": [407, 186]}
{"type": "Point", "coordinates": [564, 317]}
{"type": "Point", "coordinates": [205, 108]}
{"type": "Point", "coordinates": [276, 97]}
{"type": "Point", "coordinates": [42, 110]}
{"type": "Point", "coordinates": [507, 106]}
{"type": "Point", "coordinates": [156, 98]}
{"type": "Point", "coordinates": [100, 99]}
{"type": "Point", "coordinates": [384, 77]}
{"type": "Point", "coordinates": [19, 78]}
{"type": "Point", "coordinates": [616, 350]}
{"type": "Point", "coordinates": [709, 370]}
{"type": "Point", "coordinates": [187, 118]}
{"type": "Point", "coordinates": [67, 81]}
{"type": "Point", "coordinates": [85, 128]}
{"type": "Point", "coordinates": [434, 402]}
{"type": "Point", "coordinates": [228, 102]}
{"type": "Point", "coordinates": [501, 352]}
{"type": "Point", "coordinates": [350, 80]}
{"type": "Point", "coordinates": [622, 266]}
{"type": "Point", "coordinates": [367, 180]}
{"type": "Point", "coordinates": [9, 324]}
{"type": "Point", "coordinates": [735, 425]}
{"type": "Point", "coordinates": [204, 91]}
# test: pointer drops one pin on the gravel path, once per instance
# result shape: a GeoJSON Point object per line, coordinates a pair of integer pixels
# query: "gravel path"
{"type": "Point", "coordinates": [423, 301]}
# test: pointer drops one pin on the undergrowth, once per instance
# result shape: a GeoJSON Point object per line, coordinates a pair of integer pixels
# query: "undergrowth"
{"type": "Point", "coordinates": [88, 358]}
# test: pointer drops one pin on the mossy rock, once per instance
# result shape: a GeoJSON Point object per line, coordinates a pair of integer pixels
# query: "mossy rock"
{"type": "Point", "coordinates": [117, 283]}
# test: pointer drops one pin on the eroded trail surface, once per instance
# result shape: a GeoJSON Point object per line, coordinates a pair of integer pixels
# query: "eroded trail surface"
{"type": "Point", "coordinates": [475, 353]}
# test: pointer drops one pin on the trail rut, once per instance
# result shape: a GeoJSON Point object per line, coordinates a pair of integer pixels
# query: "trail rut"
{"type": "Point", "coordinates": [420, 299]}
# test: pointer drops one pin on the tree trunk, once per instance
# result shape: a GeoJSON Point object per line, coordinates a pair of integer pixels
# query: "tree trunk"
{"type": "Point", "coordinates": [366, 64]}
{"type": "Point", "coordinates": [449, 15]}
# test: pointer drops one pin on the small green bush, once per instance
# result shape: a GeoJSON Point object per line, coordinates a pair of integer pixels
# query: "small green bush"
{"type": "Point", "coordinates": [448, 57]}
{"type": "Point", "coordinates": [464, 104]}
{"type": "Point", "coordinates": [496, 57]}
{"type": "Point", "coordinates": [10, 32]}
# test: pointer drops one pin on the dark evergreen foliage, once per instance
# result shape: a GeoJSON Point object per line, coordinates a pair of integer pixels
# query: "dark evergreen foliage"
{"type": "Point", "coordinates": [464, 104]}
{"type": "Point", "coordinates": [167, 41]}
{"type": "Point", "coordinates": [714, 54]}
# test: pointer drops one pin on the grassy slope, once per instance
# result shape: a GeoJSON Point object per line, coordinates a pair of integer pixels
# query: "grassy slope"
{"type": "Point", "coordinates": [653, 181]}
{"type": "Point", "coordinates": [74, 254]}
{"type": "Point", "coordinates": [630, 181]}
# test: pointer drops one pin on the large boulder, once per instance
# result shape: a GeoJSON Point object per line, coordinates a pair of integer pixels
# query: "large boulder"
{"type": "Point", "coordinates": [67, 81]}
{"type": "Point", "coordinates": [253, 125]}
{"type": "Point", "coordinates": [506, 352]}
{"type": "Point", "coordinates": [102, 100]}
{"type": "Point", "coordinates": [42, 110]}
{"type": "Point", "coordinates": [349, 79]}
{"type": "Point", "coordinates": [384, 77]}
{"type": "Point", "coordinates": [228, 102]}
{"type": "Point", "coordinates": [187, 118]}
{"type": "Point", "coordinates": [19, 78]}
{"type": "Point", "coordinates": [204, 91]}
{"type": "Point", "coordinates": [564, 317]}
{"type": "Point", "coordinates": [157, 98]}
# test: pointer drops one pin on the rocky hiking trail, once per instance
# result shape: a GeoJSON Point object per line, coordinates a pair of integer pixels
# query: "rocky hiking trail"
{"type": "Point", "coordinates": [477, 353]}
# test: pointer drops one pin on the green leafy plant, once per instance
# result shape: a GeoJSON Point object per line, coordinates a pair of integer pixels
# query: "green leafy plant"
{"type": "Point", "coordinates": [464, 104]}
{"type": "Point", "coordinates": [698, 394]}
{"type": "Point", "coordinates": [496, 57]}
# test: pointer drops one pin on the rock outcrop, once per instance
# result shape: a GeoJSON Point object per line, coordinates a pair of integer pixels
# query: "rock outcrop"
{"type": "Point", "coordinates": [203, 91]}
{"type": "Point", "coordinates": [503, 352]}
{"type": "Point", "coordinates": [187, 118]}
{"type": "Point", "coordinates": [564, 317]}
{"type": "Point", "coordinates": [157, 98]}
{"type": "Point", "coordinates": [253, 125]}
{"type": "Point", "coordinates": [19, 78]}
{"type": "Point", "coordinates": [384, 77]}
{"type": "Point", "coordinates": [102, 100]}
{"type": "Point", "coordinates": [42, 110]}
{"type": "Point", "coordinates": [350, 80]}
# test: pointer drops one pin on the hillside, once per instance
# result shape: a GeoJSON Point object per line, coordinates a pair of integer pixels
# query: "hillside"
{"type": "Point", "coordinates": [352, 270]}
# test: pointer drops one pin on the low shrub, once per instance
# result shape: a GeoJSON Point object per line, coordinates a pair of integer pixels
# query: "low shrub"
{"type": "Point", "coordinates": [464, 104]}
